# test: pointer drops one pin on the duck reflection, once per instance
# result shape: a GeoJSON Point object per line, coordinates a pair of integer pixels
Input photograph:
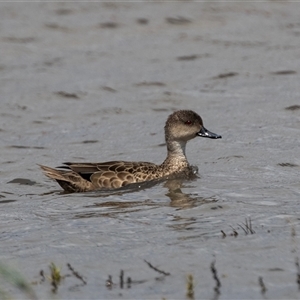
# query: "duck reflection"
{"type": "Point", "coordinates": [180, 199]}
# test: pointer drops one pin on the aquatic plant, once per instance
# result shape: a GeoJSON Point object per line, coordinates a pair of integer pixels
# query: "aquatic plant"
{"type": "Point", "coordinates": [13, 277]}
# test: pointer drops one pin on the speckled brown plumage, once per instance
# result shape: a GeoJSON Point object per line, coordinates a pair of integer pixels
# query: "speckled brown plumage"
{"type": "Point", "coordinates": [181, 126]}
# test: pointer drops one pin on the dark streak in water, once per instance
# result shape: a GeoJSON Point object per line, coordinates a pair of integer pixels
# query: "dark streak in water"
{"type": "Point", "coordinates": [293, 107]}
{"type": "Point", "coordinates": [7, 201]}
{"type": "Point", "coordinates": [90, 141]}
{"type": "Point", "coordinates": [142, 21]}
{"type": "Point", "coordinates": [25, 147]}
{"type": "Point", "coordinates": [9, 162]}
{"type": "Point", "coordinates": [188, 57]}
{"type": "Point", "coordinates": [63, 11]}
{"type": "Point", "coordinates": [178, 20]}
{"type": "Point", "coordinates": [284, 72]}
{"type": "Point", "coordinates": [225, 75]}
{"type": "Point", "coordinates": [57, 27]}
{"type": "Point", "coordinates": [287, 165]}
{"type": "Point", "coordinates": [20, 40]}
{"type": "Point", "coordinates": [109, 25]}
{"type": "Point", "coordinates": [150, 83]}
{"type": "Point", "coordinates": [67, 95]}
{"type": "Point", "coordinates": [232, 156]}
{"type": "Point", "coordinates": [160, 109]}
{"type": "Point", "coordinates": [22, 181]}
{"type": "Point", "coordinates": [108, 89]}
{"type": "Point", "coordinates": [192, 57]}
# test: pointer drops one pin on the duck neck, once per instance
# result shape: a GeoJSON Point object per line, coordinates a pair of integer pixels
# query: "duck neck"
{"type": "Point", "coordinates": [176, 159]}
{"type": "Point", "coordinates": [177, 149]}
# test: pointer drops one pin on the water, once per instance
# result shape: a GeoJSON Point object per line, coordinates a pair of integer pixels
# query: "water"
{"type": "Point", "coordinates": [90, 90]}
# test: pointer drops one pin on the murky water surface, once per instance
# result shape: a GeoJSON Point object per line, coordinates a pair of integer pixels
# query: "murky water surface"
{"type": "Point", "coordinates": [96, 82]}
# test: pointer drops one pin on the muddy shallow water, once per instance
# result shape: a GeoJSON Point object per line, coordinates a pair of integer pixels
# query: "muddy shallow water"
{"type": "Point", "coordinates": [96, 82]}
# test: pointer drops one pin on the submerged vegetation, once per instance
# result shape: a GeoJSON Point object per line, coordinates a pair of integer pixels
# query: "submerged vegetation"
{"type": "Point", "coordinates": [12, 277]}
{"type": "Point", "coordinates": [55, 278]}
{"type": "Point", "coordinates": [12, 281]}
{"type": "Point", "coordinates": [190, 287]}
{"type": "Point", "coordinates": [246, 227]}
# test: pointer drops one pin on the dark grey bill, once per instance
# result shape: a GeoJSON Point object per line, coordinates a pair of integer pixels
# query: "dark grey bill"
{"type": "Point", "coordinates": [206, 133]}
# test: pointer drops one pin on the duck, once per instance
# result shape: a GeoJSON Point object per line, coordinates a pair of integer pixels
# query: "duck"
{"type": "Point", "coordinates": [181, 126]}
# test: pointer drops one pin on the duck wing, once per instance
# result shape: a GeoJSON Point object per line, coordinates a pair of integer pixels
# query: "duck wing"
{"type": "Point", "coordinates": [115, 174]}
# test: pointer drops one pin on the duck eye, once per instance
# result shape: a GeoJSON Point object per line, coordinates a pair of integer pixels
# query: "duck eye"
{"type": "Point", "coordinates": [188, 122]}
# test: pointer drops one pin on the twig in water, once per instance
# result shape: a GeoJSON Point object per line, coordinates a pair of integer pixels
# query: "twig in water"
{"type": "Point", "coordinates": [109, 283]}
{"type": "Point", "coordinates": [262, 285]}
{"type": "Point", "coordinates": [129, 282]}
{"type": "Point", "coordinates": [247, 226]}
{"type": "Point", "coordinates": [76, 274]}
{"type": "Point", "coordinates": [298, 272]}
{"type": "Point", "coordinates": [235, 234]}
{"type": "Point", "coordinates": [215, 277]}
{"type": "Point", "coordinates": [42, 276]}
{"type": "Point", "coordinates": [156, 269]}
{"type": "Point", "coordinates": [224, 234]}
{"type": "Point", "coordinates": [121, 279]}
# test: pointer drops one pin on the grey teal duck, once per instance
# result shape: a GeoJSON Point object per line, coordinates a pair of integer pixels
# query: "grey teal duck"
{"type": "Point", "coordinates": [181, 126]}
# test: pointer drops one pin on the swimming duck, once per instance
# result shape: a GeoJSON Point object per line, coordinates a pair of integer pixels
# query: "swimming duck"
{"type": "Point", "coordinates": [181, 126]}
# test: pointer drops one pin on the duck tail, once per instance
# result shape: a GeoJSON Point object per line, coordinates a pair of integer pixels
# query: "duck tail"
{"type": "Point", "coordinates": [70, 181]}
{"type": "Point", "coordinates": [53, 173]}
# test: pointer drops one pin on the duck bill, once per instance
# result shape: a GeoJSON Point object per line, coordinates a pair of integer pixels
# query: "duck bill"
{"type": "Point", "coordinates": [206, 133]}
